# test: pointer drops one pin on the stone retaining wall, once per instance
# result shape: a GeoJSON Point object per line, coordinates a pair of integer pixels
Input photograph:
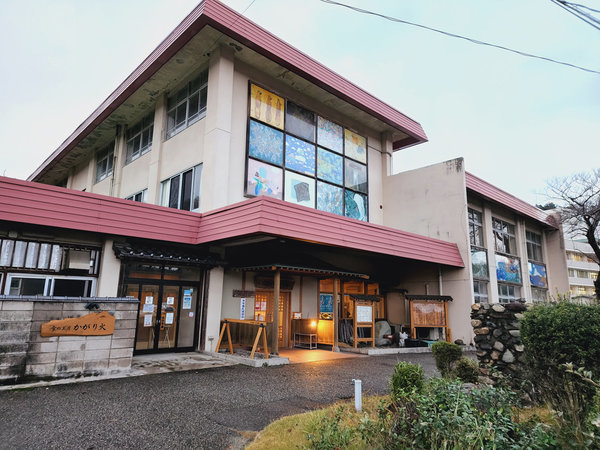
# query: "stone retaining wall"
{"type": "Point", "coordinates": [498, 339]}
{"type": "Point", "coordinates": [25, 354]}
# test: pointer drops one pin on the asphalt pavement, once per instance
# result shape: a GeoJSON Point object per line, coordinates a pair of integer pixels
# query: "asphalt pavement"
{"type": "Point", "coordinates": [207, 408]}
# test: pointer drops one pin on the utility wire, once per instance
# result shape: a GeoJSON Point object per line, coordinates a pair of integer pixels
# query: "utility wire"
{"type": "Point", "coordinates": [582, 6]}
{"type": "Point", "coordinates": [475, 41]}
{"type": "Point", "coordinates": [573, 9]}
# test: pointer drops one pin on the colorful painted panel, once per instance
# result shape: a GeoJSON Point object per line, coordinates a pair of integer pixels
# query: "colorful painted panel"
{"type": "Point", "coordinates": [299, 189]}
{"type": "Point", "coordinates": [356, 205]}
{"type": "Point", "coordinates": [479, 264]}
{"type": "Point", "coordinates": [299, 155]}
{"type": "Point", "coordinates": [330, 198]}
{"type": "Point", "coordinates": [330, 166]}
{"type": "Point", "coordinates": [300, 121]}
{"type": "Point", "coordinates": [355, 176]}
{"type": "Point", "coordinates": [265, 143]}
{"type": "Point", "coordinates": [330, 135]}
{"type": "Point", "coordinates": [264, 179]}
{"type": "Point", "coordinates": [537, 275]}
{"type": "Point", "coordinates": [355, 146]}
{"type": "Point", "coordinates": [266, 106]}
{"type": "Point", "coordinates": [508, 269]}
{"type": "Point", "coordinates": [326, 303]}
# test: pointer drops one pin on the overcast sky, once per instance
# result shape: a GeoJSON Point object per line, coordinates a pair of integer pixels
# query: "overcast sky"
{"type": "Point", "coordinates": [517, 121]}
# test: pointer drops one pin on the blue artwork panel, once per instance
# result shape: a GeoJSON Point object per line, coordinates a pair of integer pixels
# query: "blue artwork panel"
{"type": "Point", "coordinates": [537, 275]}
{"type": "Point", "coordinates": [508, 269]}
{"type": "Point", "coordinates": [330, 198]}
{"type": "Point", "coordinates": [330, 135]}
{"type": "Point", "coordinates": [326, 303]}
{"type": "Point", "coordinates": [356, 205]}
{"type": "Point", "coordinates": [299, 189]}
{"type": "Point", "coordinates": [264, 179]}
{"type": "Point", "coordinates": [479, 264]}
{"type": "Point", "coordinates": [299, 155]}
{"type": "Point", "coordinates": [330, 166]}
{"type": "Point", "coordinates": [265, 143]}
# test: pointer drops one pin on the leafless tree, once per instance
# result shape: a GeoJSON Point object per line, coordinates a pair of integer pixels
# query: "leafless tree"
{"type": "Point", "coordinates": [578, 196]}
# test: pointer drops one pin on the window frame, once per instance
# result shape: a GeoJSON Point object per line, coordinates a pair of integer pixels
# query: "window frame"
{"type": "Point", "coordinates": [146, 127]}
{"type": "Point", "coordinates": [142, 194]}
{"type": "Point", "coordinates": [504, 232]}
{"type": "Point", "coordinates": [49, 282]}
{"type": "Point", "coordinates": [196, 182]}
{"type": "Point", "coordinates": [534, 248]}
{"type": "Point", "coordinates": [508, 298]}
{"type": "Point", "coordinates": [475, 228]}
{"type": "Point", "coordinates": [198, 85]}
{"type": "Point", "coordinates": [106, 154]}
{"type": "Point", "coordinates": [477, 294]}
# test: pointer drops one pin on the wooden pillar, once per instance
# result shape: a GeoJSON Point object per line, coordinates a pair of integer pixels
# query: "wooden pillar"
{"type": "Point", "coordinates": [275, 335]}
{"type": "Point", "coordinates": [336, 319]}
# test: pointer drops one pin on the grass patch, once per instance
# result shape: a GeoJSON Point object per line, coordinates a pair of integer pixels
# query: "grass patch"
{"type": "Point", "coordinates": [291, 431]}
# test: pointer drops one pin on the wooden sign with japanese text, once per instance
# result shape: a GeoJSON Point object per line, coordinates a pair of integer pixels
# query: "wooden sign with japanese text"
{"type": "Point", "coordinates": [92, 324]}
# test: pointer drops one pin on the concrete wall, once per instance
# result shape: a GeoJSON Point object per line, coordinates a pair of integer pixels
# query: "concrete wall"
{"type": "Point", "coordinates": [432, 201]}
{"type": "Point", "coordinates": [25, 354]}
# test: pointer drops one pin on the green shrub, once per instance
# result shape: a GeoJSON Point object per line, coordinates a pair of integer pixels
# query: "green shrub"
{"type": "Point", "coordinates": [446, 354]}
{"type": "Point", "coordinates": [467, 370]}
{"type": "Point", "coordinates": [563, 333]}
{"type": "Point", "coordinates": [406, 379]}
{"type": "Point", "coordinates": [331, 432]}
{"type": "Point", "coordinates": [562, 345]}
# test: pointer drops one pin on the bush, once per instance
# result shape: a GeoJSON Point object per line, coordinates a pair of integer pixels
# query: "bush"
{"type": "Point", "coordinates": [563, 333]}
{"type": "Point", "coordinates": [446, 354]}
{"type": "Point", "coordinates": [562, 345]}
{"type": "Point", "coordinates": [467, 370]}
{"type": "Point", "coordinates": [406, 379]}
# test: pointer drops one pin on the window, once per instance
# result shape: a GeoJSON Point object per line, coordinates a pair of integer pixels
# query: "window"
{"type": "Point", "coordinates": [508, 293]}
{"type": "Point", "coordinates": [481, 292]}
{"type": "Point", "coordinates": [104, 162]}
{"type": "Point", "coordinates": [138, 196]}
{"type": "Point", "coordinates": [183, 190]}
{"type": "Point", "coordinates": [538, 295]}
{"type": "Point", "coordinates": [296, 155]}
{"type": "Point", "coordinates": [504, 237]}
{"type": "Point", "coordinates": [594, 275]}
{"type": "Point", "coordinates": [534, 246]}
{"type": "Point", "coordinates": [475, 228]}
{"type": "Point", "coordinates": [188, 105]}
{"type": "Point", "coordinates": [572, 273]}
{"type": "Point", "coordinates": [139, 138]}
{"type": "Point", "coordinates": [27, 284]}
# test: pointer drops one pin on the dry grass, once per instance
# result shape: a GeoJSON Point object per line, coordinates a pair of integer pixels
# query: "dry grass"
{"type": "Point", "coordinates": [290, 432]}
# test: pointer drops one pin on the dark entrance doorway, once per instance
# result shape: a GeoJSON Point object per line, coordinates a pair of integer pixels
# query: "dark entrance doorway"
{"type": "Point", "coordinates": [170, 310]}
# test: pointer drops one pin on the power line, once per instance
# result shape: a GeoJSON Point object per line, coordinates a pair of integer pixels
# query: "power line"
{"type": "Point", "coordinates": [582, 6]}
{"type": "Point", "coordinates": [458, 36]}
{"type": "Point", "coordinates": [573, 8]}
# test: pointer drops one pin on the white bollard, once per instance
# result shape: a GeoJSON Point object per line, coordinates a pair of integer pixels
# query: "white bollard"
{"type": "Point", "coordinates": [357, 394]}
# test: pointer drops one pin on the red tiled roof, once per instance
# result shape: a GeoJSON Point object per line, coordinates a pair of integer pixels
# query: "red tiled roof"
{"type": "Point", "coordinates": [40, 204]}
{"type": "Point", "coordinates": [236, 26]}
{"type": "Point", "coordinates": [493, 193]}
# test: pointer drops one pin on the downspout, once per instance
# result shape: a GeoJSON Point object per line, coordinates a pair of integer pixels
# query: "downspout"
{"type": "Point", "coordinates": [440, 280]}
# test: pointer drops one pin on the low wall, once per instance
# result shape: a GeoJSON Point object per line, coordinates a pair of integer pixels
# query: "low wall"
{"type": "Point", "coordinates": [25, 354]}
{"type": "Point", "coordinates": [498, 339]}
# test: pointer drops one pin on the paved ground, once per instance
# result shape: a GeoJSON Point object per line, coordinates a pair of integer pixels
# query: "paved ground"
{"type": "Point", "coordinates": [195, 409]}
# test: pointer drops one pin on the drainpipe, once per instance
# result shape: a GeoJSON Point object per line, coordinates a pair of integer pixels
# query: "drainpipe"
{"type": "Point", "coordinates": [440, 280]}
{"type": "Point", "coordinates": [275, 334]}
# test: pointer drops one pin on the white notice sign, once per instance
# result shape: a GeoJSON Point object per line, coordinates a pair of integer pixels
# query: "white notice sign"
{"type": "Point", "coordinates": [242, 308]}
{"type": "Point", "coordinates": [148, 320]}
{"type": "Point", "coordinates": [148, 308]}
{"type": "Point", "coordinates": [364, 313]}
{"type": "Point", "coordinates": [170, 300]}
{"type": "Point", "coordinates": [149, 300]}
{"type": "Point", "coordinates": [169, 319]}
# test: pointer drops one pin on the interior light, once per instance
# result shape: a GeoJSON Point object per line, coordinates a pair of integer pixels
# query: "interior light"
{"type": "Point", "coordinates": [313, 323]}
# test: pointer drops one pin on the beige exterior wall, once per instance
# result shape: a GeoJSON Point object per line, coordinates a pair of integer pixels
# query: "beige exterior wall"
{"type": "Point", "coordinates": [110, 269]}
{"type": "Point", "coordinates": [432, 201]}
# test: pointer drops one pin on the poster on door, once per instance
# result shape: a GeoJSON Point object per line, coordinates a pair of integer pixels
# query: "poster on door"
{"type": "Point", "coordinates": [148, 320]}
{"type": "Point", "coordinates": [187, 299]}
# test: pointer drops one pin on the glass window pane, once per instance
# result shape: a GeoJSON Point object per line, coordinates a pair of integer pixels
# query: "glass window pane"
{"type": "Point", "coordinates": [180, 115]}
{"type": "Point", "coordinates": [194, 103]}
{"type": "Point", "coordinates": [27, 286]}
{"type": "Point", "coordinates": [355, 176]}
{"type": "Point", "coordinates": [196, 187]}
{"type": "Point", "coordinates": [174, 193]}
{"type": "Point", "coordinates": [300, 121]}
{"type": "Point", "coordinates": [164, 197]}
{"type": "Point", "coordinates": [186, 190]}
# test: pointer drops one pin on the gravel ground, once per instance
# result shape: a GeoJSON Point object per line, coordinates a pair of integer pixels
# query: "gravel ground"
{"type": "Point", "coordinates": [197, 409]}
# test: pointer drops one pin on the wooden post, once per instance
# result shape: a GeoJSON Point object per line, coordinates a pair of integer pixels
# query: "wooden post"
{"type": "Point", "coordinates": [336, 319]}
{"type": "Point", "coordinates": [275, 335]}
